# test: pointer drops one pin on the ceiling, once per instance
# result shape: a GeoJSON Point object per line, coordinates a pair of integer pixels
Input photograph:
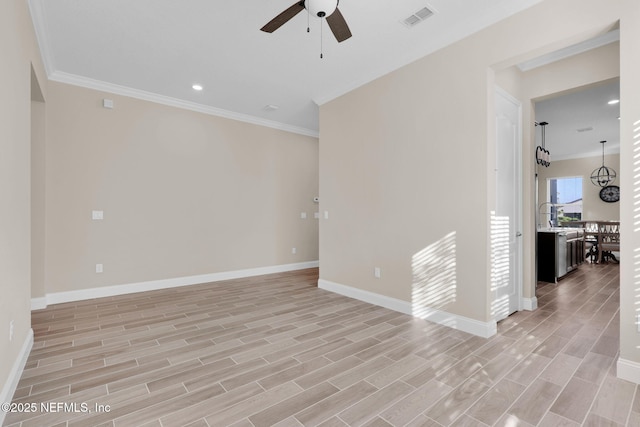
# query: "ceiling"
{"type": "Point", "coordinates": [579, 120]}
{"type": "Point", "coordinates": [157, 49]}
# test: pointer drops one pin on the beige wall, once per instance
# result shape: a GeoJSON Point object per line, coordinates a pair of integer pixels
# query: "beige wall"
{"type": "Point", "coordinates": [406, 160]}
{"type": "Point", "coordinates": [183, 193]}
{"type": "Point", "coordinates": [389, 179]}
{"type": "Point", "coordinates": [592, 207]}
{"type": "Point", "coordinates": [17, 51]}
{"type": "Point", "coordinates": [38, 206]}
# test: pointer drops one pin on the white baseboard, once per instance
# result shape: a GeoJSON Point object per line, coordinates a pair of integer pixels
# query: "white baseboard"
{"type": "Point", "coordinates": [465, 324]}
{"type": "Point", "coordinates": [152, 285]}
{"type": "Point", "coordinates": [628, 370]}
{"type": "Point", "coordinates": [462, 323]}
{"type": "Point", "coordinates": [366, 296]}
{"type": "Point", "coordinates": [38, 303]}
{"type": "Point", "coordinates": [529, 304]}
{"type": "Point", "coordinates": [11, 384]}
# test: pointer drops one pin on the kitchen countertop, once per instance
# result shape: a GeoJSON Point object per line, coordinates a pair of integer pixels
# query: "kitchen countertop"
{"type": "Point", "coordinates": [558, 229]}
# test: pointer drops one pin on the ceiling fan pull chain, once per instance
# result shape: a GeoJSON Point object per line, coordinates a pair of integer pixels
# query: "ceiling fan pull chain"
{"type": "Point", "coordinates": [308, 15]}
{"type": "Point", "coordinates": [321, 38]}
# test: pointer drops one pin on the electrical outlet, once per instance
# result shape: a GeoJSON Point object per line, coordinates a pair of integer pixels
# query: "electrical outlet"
{"type": "Point", "coordinates": [303, 215]}
{"type": "Point", "coordinates": [294, 250]}
{"type": "Point", "coordinates": [11, 331]}
{"type": "Point", "coordinates": [376, 272]}
{"type": "Point", "coordinates": [99, 268]}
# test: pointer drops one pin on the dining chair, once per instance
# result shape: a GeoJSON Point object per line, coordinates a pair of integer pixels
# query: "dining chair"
{"type": "Point", "coordinates": [608, 240]}
{"type": "Point", "coordinates": [590, 237]}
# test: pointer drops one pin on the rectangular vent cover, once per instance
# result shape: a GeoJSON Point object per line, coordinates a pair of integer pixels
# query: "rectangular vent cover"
{"type": "Point", "coordinates": [418, 17]}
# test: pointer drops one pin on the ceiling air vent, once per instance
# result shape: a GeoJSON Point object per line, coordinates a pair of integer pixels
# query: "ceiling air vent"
{"type": "Point", "coordinates": [418, 17]}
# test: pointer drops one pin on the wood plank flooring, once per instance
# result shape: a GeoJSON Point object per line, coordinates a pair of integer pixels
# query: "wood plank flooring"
{"type": "Point", "coordinates": [277, 351]}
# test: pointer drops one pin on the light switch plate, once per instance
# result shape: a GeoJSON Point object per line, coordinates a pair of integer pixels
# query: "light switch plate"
{"type": "Point", "coordinates": [97, 214]}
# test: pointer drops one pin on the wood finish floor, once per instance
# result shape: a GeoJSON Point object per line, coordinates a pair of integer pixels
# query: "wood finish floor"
{"type": "Point", "coordinates": [277, 351]}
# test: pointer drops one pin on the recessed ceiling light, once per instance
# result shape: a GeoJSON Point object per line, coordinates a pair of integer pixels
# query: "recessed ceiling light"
{"type": "Point", "coordinates": [613, 101]}
{"type": "Point", "coordinates": [197, 87]}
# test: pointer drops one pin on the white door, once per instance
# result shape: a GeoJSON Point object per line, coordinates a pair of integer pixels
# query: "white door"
{"type": "Point", "coordinates": [506, 240]}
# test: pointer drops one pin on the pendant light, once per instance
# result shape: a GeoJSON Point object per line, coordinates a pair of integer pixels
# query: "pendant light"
{"type": "Point", "coordinates": [604, 175]}
{"type": "Point", "coordinates": [543, 157]}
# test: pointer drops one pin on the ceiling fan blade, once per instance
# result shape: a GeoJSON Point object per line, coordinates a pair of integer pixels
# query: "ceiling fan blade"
{"type": "Point", "coordinates": [282, 19]}
{"type": "Point", "coordinates": [338, 26]}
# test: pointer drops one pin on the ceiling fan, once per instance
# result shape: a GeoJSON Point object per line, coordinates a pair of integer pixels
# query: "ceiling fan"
{"type": "Point", "coordinates": [327, 9]}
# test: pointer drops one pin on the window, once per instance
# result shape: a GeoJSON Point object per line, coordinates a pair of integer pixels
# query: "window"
{"type": "Point", "coordinates": [565, 198]}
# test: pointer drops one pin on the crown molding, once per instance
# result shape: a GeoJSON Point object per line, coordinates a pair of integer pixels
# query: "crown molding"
{"type": "Point", "coordinates": [102, 86]}
{"type": "Point", "coordinates": [39, 27]}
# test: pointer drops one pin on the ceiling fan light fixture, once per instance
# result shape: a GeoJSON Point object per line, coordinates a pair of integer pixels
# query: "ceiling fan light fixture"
{"type": "Point", "coordinates": [327, 9]}
{"type": "Point", "coordinates": [321, 8]}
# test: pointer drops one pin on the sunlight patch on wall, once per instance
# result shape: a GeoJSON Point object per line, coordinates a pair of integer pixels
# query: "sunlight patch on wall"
{"type": "Point", "coordinates": [636, 176]}
{"type": "Point", "coordinates": [500, 265]}
{"type": "Point", "coordinates": [434, 276]}
{"type": "Point", "coordinates": [636, 219]}
{"type": "Point", "coordinates": [636, 282]}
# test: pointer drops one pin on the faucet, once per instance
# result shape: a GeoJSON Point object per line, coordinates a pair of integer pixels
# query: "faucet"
{"type": "Point", "coordinates": [540, 213]}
